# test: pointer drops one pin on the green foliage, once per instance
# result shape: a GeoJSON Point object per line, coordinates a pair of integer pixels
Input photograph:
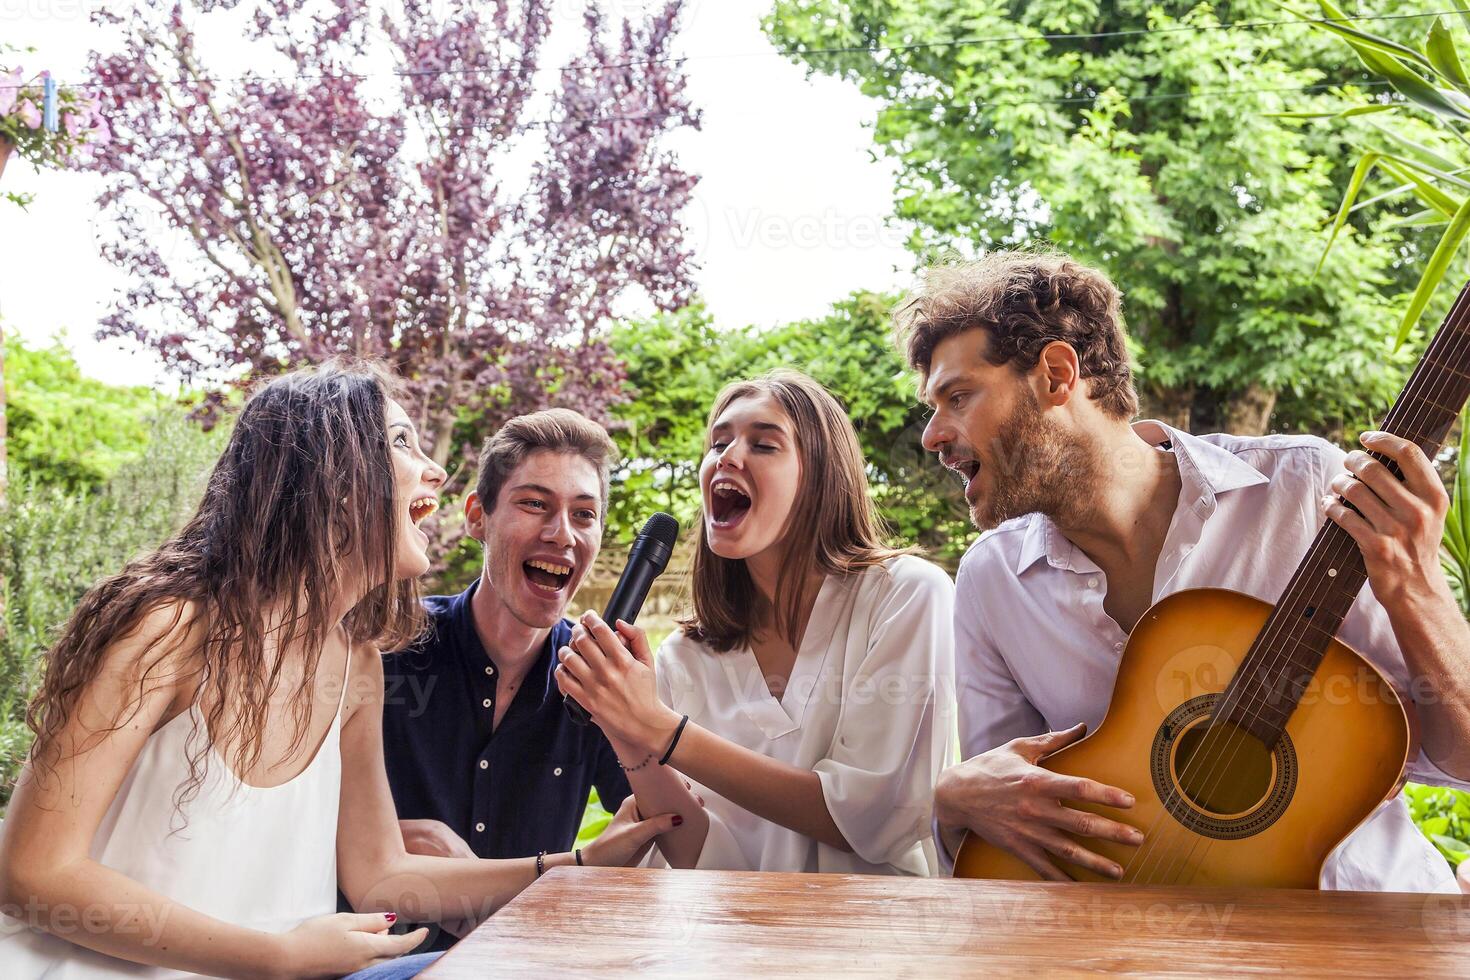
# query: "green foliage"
{"type": "Point", "coordinates": [65, 429]}
{"type": "Point", "coordinates": [460, 566]}
{"type": "Point", "coordinates": [1153, 155]}
{"type": "Point", "coordinates": [1421, 148]}
{"type": "Point", "coordinates": [1443, 814]}
{"type": "Point", "coordinates": [678, 362]}
{"type": "Point", "coordinates": [55, 542]}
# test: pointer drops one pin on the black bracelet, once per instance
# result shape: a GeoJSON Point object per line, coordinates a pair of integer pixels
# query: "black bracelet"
{"type": "Point", "coordinates": [578, 854]}
{"type": "Point", "coordinates": [674, 741]}
{"type": "Point", "coordinates": [540, 864]}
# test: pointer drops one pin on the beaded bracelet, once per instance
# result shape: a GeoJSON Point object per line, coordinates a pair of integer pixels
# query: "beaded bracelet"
{"type": "Point", "coordinates": [540, 864]}
{"type": "Point", "coordinates": [646, 760]}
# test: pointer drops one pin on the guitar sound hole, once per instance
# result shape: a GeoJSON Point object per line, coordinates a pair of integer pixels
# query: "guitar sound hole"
{"type": "Point", "coordinates": [1231, 788]}
{"type": "Point", "coordinates": [1222, 769]}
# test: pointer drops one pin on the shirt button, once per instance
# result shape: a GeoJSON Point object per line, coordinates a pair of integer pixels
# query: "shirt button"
{"type": "Point", "coordinates": [556, 771]}
{"type": "Point", "coordinates": [486, 702]}
{"type": "Point", "coordinates": [484, 763]}
{"type": "Point", "coordinates": [1117, 646]}
{"type": "Point", "coordinates": [1092, 583]}
{"type": "Point", "coordinates": [479, 828]}
{"type": "Point", "coordinates": [489, 671]}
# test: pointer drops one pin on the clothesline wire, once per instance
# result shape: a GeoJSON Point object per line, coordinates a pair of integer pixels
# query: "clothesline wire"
{"type": "Point", "coordinates": [524, 65]}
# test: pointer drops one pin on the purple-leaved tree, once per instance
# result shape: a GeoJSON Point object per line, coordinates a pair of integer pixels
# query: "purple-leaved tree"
{"type": "Point", "coordinates": [320, 219]}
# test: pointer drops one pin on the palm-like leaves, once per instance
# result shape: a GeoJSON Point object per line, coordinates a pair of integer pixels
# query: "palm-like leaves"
{"type": "Point", "coordinates": [1433, 79]}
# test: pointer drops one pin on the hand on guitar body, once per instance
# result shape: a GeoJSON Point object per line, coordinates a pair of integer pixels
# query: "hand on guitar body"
{"type": "Point", "coordinates": [1006, 798]}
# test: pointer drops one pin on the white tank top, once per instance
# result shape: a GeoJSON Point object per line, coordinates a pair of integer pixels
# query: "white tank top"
{"type": "Point", "coordinates": [264, 858]}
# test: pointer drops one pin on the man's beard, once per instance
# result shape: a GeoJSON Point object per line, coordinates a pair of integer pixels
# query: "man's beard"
{"type": "Point", "coordinates": [1036, 466]}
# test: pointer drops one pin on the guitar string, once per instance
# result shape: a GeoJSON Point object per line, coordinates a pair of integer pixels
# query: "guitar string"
{"type": "Point", "coordinates": [1274, 663]}
{"type": "Point", "coordinates": [1449, 335]}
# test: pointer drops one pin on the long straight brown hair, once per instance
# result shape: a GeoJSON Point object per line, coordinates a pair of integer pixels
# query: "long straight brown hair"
{"type": "Point", "coordinates": [300, 505]}
{"type": "Point", "coordinates": [833, 526]}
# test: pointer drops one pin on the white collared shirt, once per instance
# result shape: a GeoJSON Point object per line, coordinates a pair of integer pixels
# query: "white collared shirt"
{"type": "Point", "coordinates": [869, 707]}
{"type": "Point", "coordinates": [1036, 651]}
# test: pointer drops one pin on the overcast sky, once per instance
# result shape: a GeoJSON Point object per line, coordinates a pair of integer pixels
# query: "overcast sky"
{"type": "Point", "coordinates": [791, 208]}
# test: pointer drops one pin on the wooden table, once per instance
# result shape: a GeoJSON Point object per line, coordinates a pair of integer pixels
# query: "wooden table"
{"type": "Point", "coordinates": [625, 922]}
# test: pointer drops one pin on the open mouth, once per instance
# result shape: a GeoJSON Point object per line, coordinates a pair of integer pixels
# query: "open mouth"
{"type": "Point", "coordinates": [547, 577]}
{"type": "Point", "coordinates": [728, 504]}
{"type": "Point", "coordinates": [966, 470]}
{"type": "Point", "coordinates": [421, 508]}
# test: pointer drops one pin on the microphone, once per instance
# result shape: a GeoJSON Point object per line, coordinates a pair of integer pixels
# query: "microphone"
{"type": "Point", "coordinates": [647, 560]}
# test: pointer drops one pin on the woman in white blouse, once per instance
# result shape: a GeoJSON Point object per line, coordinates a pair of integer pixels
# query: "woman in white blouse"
{"type": "Point", "coordinates": [809, 700]}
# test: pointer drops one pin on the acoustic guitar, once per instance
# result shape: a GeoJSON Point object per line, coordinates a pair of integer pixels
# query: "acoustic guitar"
{"type": "Point", "coordinates": [1252, 739]}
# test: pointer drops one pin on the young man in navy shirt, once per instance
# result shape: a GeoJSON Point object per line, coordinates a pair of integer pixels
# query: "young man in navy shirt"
{"type": "Point", "coordinates": [482, 758]}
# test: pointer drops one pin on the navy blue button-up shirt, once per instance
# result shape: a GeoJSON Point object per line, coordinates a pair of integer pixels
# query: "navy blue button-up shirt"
{"type": "Point", "coordinates": [509, 791]}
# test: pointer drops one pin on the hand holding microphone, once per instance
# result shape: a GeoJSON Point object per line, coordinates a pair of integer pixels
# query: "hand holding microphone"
{"type": "Point", "coordinates": [647, 559]}
{"type": "Point", "coordinates": [608, 671]}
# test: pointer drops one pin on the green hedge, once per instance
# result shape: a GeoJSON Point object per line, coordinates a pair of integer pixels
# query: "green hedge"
{"type": "Point", "coordinates": [55, 542]}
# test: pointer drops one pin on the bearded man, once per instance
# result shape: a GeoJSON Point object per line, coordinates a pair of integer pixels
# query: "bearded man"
{"type": "Point", "coordinates": [1089, 518]}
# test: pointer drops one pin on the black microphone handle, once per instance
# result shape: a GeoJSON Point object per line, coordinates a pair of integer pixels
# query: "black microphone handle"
{"type": "Point", "coordinates": [627, 600]}
{"type": "Point", "coordinates": [629, 593]}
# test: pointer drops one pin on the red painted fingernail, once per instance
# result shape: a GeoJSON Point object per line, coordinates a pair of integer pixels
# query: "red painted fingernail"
{"type": "Point", "coordinates": [678, 820]}
{"type": "Point", "coordinates": [392, 917]}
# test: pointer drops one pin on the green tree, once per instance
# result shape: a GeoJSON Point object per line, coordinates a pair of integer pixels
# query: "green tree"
{"type": "Point", "coordinates": [99, 474]}
{"type": "Point", "coordinates": [66, 429]}
{"type": "Point", "coordinates": [1140, 140]}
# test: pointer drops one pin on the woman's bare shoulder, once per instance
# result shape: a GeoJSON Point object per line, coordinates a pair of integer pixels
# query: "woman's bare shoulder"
{"type": "Point", "coordinates": [364, 678]}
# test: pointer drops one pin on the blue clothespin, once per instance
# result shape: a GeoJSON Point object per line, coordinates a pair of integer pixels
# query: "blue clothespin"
{"type": "Point", "coordinates": [50, 110]}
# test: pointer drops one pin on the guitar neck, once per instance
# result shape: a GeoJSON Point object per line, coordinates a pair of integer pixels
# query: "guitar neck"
{"type": "Point", "coordinates": [1277, 670]}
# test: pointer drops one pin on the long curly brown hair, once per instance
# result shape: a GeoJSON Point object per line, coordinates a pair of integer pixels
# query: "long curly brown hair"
{"type": "Point", "coordinates": [299, 507]}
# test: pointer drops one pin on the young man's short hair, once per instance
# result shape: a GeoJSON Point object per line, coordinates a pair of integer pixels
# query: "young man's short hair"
{"type": "Point", "coordinates": [559, 430]}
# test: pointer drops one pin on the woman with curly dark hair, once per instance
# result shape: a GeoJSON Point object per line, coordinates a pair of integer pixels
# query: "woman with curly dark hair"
{"type": "Point", "coordinates": [208, 764]}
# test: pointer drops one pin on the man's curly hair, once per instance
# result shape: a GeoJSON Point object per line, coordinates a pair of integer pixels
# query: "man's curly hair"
{"type": "Point", "coordinates": [1024, 301]}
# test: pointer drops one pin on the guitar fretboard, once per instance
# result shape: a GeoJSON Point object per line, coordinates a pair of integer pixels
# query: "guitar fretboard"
{"type": "Point", "coordinates": [1279, 667]}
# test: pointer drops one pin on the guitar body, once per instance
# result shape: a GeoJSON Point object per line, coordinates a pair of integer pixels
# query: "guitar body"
{"type": "Point", "coordinates": [1226, 810]}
